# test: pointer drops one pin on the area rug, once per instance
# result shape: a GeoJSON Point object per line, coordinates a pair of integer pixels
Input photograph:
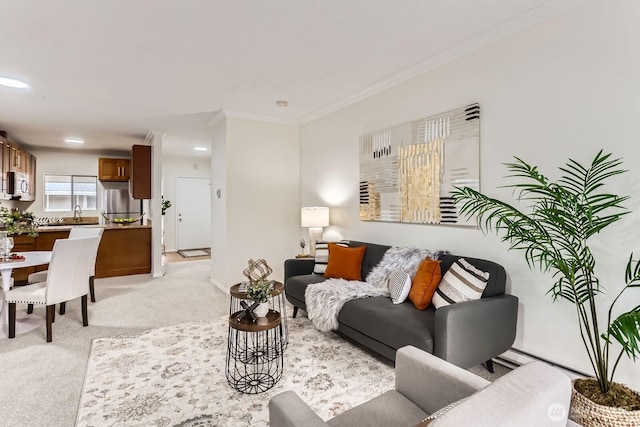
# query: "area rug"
{"type": "Point", "coordinates": [175, 376]}
{"type": "Point", "coordinates": [194, 253]}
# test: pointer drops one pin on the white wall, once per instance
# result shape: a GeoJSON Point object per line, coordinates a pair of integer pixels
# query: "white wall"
{"type": "Point", "coordinates": [260, 196]}
{"type": "Point", "coordinates": [172, 169]}
{"type": "Point", "coordinates": [565, 88]}
{"type": "Point", "coordinates": [219, 254]}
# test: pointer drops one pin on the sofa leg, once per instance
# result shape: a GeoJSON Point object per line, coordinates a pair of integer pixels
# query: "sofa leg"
{"type": "Point", "coordinates": [295, 312]}
{"type": "Point", "coordinates": [489, 364]}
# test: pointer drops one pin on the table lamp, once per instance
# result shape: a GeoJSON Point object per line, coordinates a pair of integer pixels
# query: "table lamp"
{"type": "Point", "coordinates": [314, 217]}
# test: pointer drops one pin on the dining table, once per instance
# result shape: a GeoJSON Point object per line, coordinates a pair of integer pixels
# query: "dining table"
{"type": "Point", "coordinates": [31, 259]}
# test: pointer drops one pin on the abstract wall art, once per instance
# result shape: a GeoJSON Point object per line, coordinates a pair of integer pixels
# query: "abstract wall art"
{"type": "Point", "coordinates": [407, 171]}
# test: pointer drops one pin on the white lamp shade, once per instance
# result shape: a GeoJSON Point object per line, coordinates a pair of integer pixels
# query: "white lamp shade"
{"type": "Point", "coordinates": [314, 216]}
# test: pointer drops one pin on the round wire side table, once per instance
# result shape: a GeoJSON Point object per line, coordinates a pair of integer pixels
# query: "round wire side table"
{"type": "Point", "coordinates": [254, 352]}
{"type": "Point", "coordinates": [277, 303]}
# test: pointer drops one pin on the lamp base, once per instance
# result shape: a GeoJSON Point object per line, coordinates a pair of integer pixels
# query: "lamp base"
{"type": "Point", "coordinates": [315, 234]}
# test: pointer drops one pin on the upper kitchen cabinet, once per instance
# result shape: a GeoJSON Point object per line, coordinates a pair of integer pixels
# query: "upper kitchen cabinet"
{"type": "Point", "coordinates": [18, 172]}
{"type": "Point", "coordinates": [140, 186]}
{"type": "Point", "coordinates": [110, 169]}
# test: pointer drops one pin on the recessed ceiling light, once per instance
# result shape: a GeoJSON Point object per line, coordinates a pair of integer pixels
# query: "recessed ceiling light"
{"type": "Point", "coordinates": [200, 148]}
{"type": "Point", "coordinates": [282, 103]}
{"type": "Point", "coordinates": [5, 81]}
{"type": "Point", "coordinates": [74, 141]}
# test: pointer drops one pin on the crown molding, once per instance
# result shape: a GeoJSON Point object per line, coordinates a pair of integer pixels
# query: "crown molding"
{"type": "Point", "coordinates": [513, 26]}
{"type": "Point", "coordinates": [232, 114]}
{"type": "Point", "coordinates": [217, 117]}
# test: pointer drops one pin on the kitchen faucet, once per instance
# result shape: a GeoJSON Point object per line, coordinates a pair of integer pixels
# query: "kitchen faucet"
{"type": "Point", "coordinates": [77, 213]}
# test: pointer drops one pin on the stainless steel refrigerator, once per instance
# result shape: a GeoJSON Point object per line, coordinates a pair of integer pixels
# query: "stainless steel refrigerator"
{"type": "Point", "coordinates": [116, 203]}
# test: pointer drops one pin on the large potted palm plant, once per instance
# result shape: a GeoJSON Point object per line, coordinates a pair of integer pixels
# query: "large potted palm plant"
{"type": "Point", "coordinates": [553, 229]}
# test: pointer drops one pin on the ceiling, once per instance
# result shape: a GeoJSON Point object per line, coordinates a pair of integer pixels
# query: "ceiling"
{"type": "Point", "coordinates": [109, 71]}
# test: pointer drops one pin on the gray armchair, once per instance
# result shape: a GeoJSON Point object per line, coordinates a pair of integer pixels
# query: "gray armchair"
{"type": "Point", "coordinates": [425, 384]}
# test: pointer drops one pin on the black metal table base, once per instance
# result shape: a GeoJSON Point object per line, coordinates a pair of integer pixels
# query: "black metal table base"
{"type": "Point", "coordinates": [254, 359]}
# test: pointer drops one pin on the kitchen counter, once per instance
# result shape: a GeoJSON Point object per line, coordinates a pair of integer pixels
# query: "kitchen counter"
{"type": "Point", "coordinates": [50, 228]}
{"type": "Point", "coordinates": [123, 250]}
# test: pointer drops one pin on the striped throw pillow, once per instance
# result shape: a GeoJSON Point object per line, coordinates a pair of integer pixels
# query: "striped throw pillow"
{"type": "Point", "coordinates": [322, 255]}
{"type": "Point", "coordinates": [462, 282]}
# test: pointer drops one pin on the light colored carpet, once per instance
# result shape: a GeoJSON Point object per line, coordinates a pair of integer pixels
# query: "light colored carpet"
{"type": "Point", "coordinates": [40, 383]}
{"type": "Point", "coordinates": [176, 376]}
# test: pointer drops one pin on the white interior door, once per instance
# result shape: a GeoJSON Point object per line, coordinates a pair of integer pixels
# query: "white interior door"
{"type": "Point", "coordinates": [193, 197]}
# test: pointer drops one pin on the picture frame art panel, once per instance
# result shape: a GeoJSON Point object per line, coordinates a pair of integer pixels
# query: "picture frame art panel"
{"type": "Point", "coordinates": [407, 171]}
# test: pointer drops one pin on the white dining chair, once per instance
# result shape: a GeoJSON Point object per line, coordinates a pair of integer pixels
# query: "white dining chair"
{"type": "Point", "coordinates": [71, 266]}
{"type": "Point", "coordinates": [75, 233]}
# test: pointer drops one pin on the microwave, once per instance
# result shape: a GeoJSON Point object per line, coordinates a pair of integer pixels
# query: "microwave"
{"type": "Point", "coordinates": [18, 185]}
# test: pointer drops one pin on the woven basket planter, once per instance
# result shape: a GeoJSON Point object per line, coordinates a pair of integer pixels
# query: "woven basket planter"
{"type": "Point", "coordinates": [590, 414]}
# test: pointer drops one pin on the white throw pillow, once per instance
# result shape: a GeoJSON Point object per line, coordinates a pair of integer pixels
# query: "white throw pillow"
{"type": "Point", "coordinates": [322, 255]}
{"type": "Point", "coordinates": [399, 284]}
{"type": "Point", "coordinates": [462, 282]}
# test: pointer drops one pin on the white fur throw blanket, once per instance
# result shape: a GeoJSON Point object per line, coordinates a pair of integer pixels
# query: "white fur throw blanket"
{"type": "Point", "coordinates": [325, 300]}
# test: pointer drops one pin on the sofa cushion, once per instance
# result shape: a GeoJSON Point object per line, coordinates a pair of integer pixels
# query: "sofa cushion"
{"type": "Point", "coordinates": [297, 285]}
{"type": "Point", "coordinates": [322, 255]}
{"type": "Point", "coordinates": [462, 282]}
{"type": "Point", "coordinates": [399, 285]}
{"type": "Point", "coordinates": [372, 256]}
{"type": "Point", "coordinates": [425, 283]}
{"type": "Point", "coordinates": [395, 325]}
{"type": "Point", "coordinates": [388, 409]}
{"type": "Point", "coordinates": [345, 263]}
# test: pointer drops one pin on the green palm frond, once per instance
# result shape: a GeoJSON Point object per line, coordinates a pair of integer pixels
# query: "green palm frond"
{"type": "Point", "coordinates": [553, 231]}
{"type": "Point", "coordinates": [626, 331]}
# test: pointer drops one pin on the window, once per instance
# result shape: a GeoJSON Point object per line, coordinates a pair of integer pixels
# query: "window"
{"type": "Point", "coordinates": [64, 192]}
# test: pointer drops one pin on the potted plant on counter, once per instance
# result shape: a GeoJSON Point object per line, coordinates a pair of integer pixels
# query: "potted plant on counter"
{"type": "Point", "coordinates": [18, 222]}
{"type": "Point", "coordinates": [260, 291]}
{"type": "Point", "coordinates": [554, 232]}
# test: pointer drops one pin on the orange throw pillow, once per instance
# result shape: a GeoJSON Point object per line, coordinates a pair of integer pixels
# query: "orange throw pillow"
{"type": "Point", "coordinates": [345, 263]}
{"type": "Point", "coordinates": [425, 283]}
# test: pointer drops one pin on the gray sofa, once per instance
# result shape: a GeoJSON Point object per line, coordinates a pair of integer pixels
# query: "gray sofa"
{"type": "Point", "coordinates": [464, 334]}
{"type": "Point", "coordinates": [533, 395]}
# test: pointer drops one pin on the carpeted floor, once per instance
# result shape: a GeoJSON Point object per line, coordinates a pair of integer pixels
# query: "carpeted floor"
{"type": "Point", "coordinates": [41, 382]}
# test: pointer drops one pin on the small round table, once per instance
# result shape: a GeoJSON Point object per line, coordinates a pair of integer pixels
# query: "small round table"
{"type": "Point", "coordinates": [277, 303]}
{"type": "Point", "coordinates": [254, 352]}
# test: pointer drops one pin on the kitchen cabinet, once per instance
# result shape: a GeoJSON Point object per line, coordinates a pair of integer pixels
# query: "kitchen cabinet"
{"type": "Point", "coordinates": [140, 184]}
{"type": "Point", "coordinates": [122, 251]}
{"type": "Point", "coordinates": [6, 167]}
{"type": "Point", "coordinates": [13, 158]}
{"type": "Point", "coordinates": [110, 169]}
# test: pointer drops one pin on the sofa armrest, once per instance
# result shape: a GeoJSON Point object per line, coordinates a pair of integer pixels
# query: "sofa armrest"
{"type": "Point", "coordinates": [288, 410]}
{"type": "Point", "coordinates": [473, 332]}
{"type": "Point", "coordinates": [430, 382]}
{"type": "Point", "coordinates": [533, 395]}
{"type": "Point", "coordinates": [298, 267]}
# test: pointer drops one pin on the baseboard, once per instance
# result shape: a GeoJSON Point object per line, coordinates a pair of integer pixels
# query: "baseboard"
{"type": "Point", "coordinates": [513, 358]}
{"type": "Point", "coordinates": [224, 289]}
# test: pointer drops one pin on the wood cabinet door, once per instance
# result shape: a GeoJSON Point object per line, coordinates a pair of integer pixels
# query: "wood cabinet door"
{"type": "Point", "coordinates": [113, 169]}
{"type": "Point", "coordinates": [141, 172]}
{"type": "Point", "coordinates": [123, 169]}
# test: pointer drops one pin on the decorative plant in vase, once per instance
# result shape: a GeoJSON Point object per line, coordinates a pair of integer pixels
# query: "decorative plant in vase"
{"type": "Point", "coordinates": [554, 235]}
{"type": "Point", "coordinates": [17, 222]}
{"type": "Point", "coordinates": [260, 291]}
